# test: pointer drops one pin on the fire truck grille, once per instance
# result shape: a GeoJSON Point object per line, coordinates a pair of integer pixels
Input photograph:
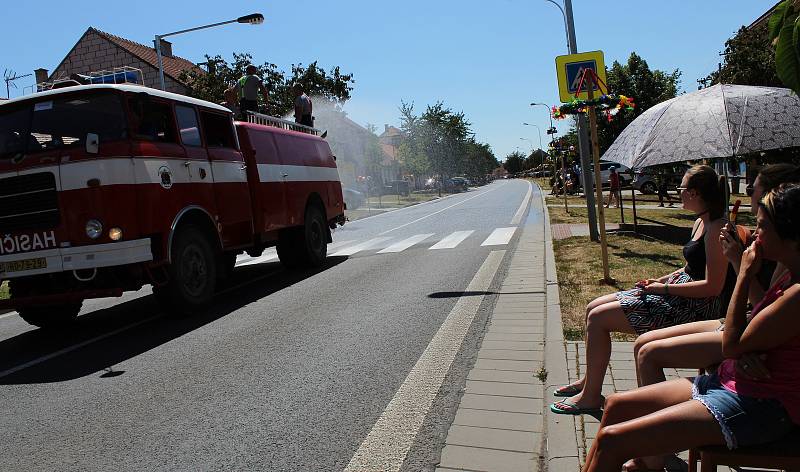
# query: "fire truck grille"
{"type": "Point", "coordinates": [28, 202]}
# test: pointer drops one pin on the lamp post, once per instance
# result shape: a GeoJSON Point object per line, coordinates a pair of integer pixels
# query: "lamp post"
{"type": "Point", "coordinates": [583, 137]}
{"type": "Point", "coordinates": [252, 19]}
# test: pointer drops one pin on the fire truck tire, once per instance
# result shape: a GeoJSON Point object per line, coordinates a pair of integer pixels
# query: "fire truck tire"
{"type": "Point", "coordinates": [51, 317]}
{"type": "Point", "coordinates": [314, 243]}
{"type": "Point", "coordinates": [47, 317]}
{"type": "Point", "coordinates": [306, 246]}
{"type": "Point", "coordinates": [192, 273]}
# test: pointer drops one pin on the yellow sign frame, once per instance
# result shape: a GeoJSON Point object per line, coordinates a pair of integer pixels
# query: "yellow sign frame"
{"type": "Point", "coordinates": [567, 68]}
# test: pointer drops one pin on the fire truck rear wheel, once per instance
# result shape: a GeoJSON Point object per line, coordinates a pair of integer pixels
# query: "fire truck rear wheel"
{"type": "Point", "coordinates": [315, 237]}
{"type": "Point", "coordinates": [192, 273]}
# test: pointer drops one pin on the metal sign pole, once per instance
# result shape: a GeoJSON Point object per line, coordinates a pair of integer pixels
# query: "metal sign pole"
{"type": "Point", "coordinates": [597, 182]}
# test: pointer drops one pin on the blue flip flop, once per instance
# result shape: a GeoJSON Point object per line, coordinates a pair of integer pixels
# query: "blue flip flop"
{"type": "Point", "coordinates": [565, 407]}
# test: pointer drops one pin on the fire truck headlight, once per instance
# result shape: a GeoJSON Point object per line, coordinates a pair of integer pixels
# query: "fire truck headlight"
{"type": "Point", "coordinates": [115, 234]}
{"type": "Point", "coordinates": [94, 229]}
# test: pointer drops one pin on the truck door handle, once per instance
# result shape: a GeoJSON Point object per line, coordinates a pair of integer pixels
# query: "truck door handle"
{"type": "Point", "coordinates": [244, 167]}
{"type": "Point", "coordinates": [188, 169]}
{"type": "Point", "coordinates": [286, 175]}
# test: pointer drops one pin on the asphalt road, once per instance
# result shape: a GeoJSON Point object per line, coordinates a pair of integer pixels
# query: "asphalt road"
{"type": "Point", "coordinates": [284, 372]}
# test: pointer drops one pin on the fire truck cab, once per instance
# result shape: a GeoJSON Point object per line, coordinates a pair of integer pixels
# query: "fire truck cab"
{"type": "Point", "coordinates": [106, 188]}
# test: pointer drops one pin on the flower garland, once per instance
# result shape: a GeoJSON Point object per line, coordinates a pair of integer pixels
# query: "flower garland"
{"type": "Point", "coordinates": [609, 104]}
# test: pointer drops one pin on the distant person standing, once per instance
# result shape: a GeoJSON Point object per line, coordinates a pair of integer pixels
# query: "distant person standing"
{"type": "Point", "coordinates": [614, 191]}
{"type": "Point", "coordinates": [249, 86]}
{"type": "Point", "coordinates": [661, 182]}
{"type": "Point", "coordinates": [303, 107]}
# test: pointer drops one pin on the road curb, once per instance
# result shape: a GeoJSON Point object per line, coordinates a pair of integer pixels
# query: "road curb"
{"type": "Point", "coordinates": [561, 440]}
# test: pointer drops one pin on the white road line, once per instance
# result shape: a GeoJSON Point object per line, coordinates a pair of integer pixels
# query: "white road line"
{"type": "Point", "coordinates": [349, 251]}
{"type": "Point", "coordinates": [522, 206]}
{"type": "Point", "coordinates": [452, 240]}
{"type": "Point", "coordinates": [443, 209]}
{"type": "Point", "coordinates": [387, 444]}
{"type": "Point", "coordinates": [406, 243]}
{"type": "Point", "coordinates": [500, 236]}
{"type": "Point", "coordinates": [68, 349]}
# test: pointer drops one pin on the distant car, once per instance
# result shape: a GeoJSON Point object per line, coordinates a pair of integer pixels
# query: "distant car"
{"type": "Point", "coordinates": [605, 173]}
{"type": "Point", "coordinates": [352, 198]}
{"type": "Point", "coordinates": [645, 180]}
{"type": "Point", "coordinates": [459, 184]}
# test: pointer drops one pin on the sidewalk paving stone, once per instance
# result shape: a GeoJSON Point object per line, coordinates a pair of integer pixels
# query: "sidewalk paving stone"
{"type": "Point", "coordinates": [502, 439]}
{"type": "Point", "coordinates": [506, 389]}
{"type": "Point", "coordinates": [511, 355]}
{"type": "Point", "coordinates": [531, 422]}
{"type": "Point", "coordinates": [504, 376]}
{"type": "Point", "coordinates": [472, 458]}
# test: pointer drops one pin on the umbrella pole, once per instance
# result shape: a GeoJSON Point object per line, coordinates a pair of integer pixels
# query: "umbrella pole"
{"type": "Point", "coordinates": [601, 217]}
{"type": "Point", "coordinates": [633, 202]}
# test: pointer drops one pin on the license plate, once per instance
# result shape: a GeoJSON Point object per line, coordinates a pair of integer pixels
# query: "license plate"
{"type": "Point", "coordinates": [25, 264]}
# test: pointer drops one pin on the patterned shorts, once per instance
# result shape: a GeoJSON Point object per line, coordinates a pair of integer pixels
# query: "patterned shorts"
{"type": "Point", "coordinates": [646, 312]}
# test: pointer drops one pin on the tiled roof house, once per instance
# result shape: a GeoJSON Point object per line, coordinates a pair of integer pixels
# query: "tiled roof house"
{"type": "Point", "coordinates": [97, 50]}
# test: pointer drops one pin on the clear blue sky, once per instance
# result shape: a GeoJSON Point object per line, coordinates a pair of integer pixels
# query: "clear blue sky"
{"type": "Point", "coordinates": [487, 58]}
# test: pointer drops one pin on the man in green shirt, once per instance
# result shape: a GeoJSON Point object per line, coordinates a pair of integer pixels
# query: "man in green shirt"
{"type": "Point", "coordinates": [248, 88]}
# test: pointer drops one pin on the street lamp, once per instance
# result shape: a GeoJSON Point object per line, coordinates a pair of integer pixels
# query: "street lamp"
{"type": "Point", "coordinates": [252, 19]}
{"type": "Point", "coordinates": [538, 129]}
{"type": "Point", "coordinates": [552, 129]}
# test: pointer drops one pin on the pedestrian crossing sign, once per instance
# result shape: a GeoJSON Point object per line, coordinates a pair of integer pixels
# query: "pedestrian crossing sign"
{"type": "Point", "coordinates": [569, 70]}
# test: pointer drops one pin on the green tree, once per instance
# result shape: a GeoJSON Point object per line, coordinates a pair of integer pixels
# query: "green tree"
{"type": "Point", "coordinates": [513, 162]}
{"type": "Point", "coordinates": [647, 87]}
{"type": "Point", "coordinates": [749, 59]}
{"type": "Point", "coordinates": [333, 86]}
{"type": "Point", "coordinates": [784, 30]}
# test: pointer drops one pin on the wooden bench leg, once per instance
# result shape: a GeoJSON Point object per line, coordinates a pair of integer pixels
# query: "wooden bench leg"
{"type": "Point", "coordinates": [692, 460]}
{"type": "Point", "coordinates": [707, 463]}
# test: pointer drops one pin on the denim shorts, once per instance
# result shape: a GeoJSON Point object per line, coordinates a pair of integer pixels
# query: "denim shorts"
{"type": "Point", "coordinates": [745, 421]}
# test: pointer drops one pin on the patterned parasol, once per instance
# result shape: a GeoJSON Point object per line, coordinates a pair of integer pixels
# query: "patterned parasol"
{"type": "Point", "coordinates": [719, 121]}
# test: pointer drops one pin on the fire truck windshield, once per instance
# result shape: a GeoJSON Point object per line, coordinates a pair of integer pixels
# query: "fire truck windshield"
{"type": "Point", "coordinates": [59, 122]}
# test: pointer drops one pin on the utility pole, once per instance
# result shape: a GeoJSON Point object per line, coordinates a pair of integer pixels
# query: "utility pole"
{"type": "Point", "coordinates": [583, 139]}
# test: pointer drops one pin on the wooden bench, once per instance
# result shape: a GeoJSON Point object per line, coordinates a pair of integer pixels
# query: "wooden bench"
{"type": "Point", "coordinates": [781, 455]}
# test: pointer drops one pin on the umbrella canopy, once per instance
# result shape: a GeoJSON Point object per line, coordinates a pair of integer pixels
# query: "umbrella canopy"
{"type": "Point", "coordinates": [719, 121]}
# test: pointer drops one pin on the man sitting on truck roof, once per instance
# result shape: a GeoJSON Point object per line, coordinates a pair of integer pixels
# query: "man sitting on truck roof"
{"type": "Point", "coordinates": [248, 87]}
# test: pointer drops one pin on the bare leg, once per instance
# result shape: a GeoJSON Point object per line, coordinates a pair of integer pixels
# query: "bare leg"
{"type": "Point", "coordinates": [601, 322]}
{"type": "Point", "coordinates": [678, 427]}
{"type": "Point", "coordinates": [695, 350]}
{"type": "Point", "coordinates": [666, 333]}
{"type": "Point", "coordinates": [599, 301]}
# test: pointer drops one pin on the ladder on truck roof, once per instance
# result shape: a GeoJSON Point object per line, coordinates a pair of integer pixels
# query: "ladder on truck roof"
{"type": "Point", "coordinates": [266, 120]}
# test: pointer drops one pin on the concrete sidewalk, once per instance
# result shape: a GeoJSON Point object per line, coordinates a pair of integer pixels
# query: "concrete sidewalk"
{"type": "Point", "coordinates": [503, 422]}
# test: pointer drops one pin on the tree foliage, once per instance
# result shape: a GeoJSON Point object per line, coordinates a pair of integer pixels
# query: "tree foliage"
{"type": "Point", "coordinates": [784, 32]}
{"type": "Point", "coordinates": [514, 162]}
{"type": "Point", "coordinates": [648, 87]}
{"type": "Point", "coordinates": [749, 59]}
{"type": "Point", "coordinates": [333, 86]}
{"type": "Point", "coordinates": [441, 141]}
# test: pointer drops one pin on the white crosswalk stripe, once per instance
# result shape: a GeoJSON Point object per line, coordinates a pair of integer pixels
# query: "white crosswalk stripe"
{"type": "Point", "coordinates": [452, 240]}
{"type": "Point", "coordinates": [500, 236]}
{"type": "Point", "coordinates": [349, 251]}
{"type": "Point", "coordinates": [406, 243]}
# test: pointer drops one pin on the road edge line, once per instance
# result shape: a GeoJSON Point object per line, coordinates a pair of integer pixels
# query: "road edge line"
{"type": "Point", "coordinates": [386, 446]}
{"type": "Point", "coordinates": [523, 206]}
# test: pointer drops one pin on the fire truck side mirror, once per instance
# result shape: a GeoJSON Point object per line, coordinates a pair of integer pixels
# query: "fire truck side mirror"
{"type": "Point", "coordinates": [92, 143]}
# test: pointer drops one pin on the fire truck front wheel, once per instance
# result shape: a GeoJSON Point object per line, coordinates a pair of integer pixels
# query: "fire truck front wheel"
{"type": "Point", "coordinates": [47, 317]}
{"type": "Point", "coordinates": [192, 273]}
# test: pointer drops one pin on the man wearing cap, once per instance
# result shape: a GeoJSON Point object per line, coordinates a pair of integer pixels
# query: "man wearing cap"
{"type": "Point", "coordinates": [248, 87]}
{"type": "Point", "coordinates": [614, 191]}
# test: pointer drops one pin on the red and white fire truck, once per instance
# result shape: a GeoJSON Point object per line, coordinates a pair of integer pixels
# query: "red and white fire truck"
{"type": "Point", "coordinates": [106, 188]}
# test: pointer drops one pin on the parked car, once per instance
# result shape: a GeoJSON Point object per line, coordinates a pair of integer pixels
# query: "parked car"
{"type": "Point", "coordinates": [458, 184]}
{"type": "Point", "coordinates": [353, 198]}
{"type": "Point", "coordinates": [645, 179]}
{"type": "Point", "coordinates": [605, 173]}
{"type": "Point", "coordinates": [397, 187]}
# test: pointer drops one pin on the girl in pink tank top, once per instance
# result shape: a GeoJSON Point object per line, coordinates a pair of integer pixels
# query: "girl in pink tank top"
{"type": "Point", "coordinates": [727, 407]}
